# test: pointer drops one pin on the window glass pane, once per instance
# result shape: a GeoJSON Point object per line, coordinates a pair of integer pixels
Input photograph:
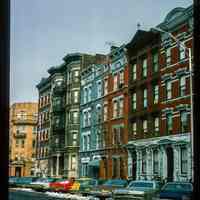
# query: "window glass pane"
{"type": "Point", "coordinates": [134, 101]}
{"type": "Point", "coordinates": [144, 68]}
{"type": "Point", "coordinates": [134, 72]}
{"type": "Point", "coordinates": [169, 90]}
{"type": "Point", "coordinates": [182, 86]}
{"type": "Point", "coordinates": [134, 128]}
{"type": "Point", "coordinates": [145, 98]}
{"type": "Point", "coordinates": [181, 53]}
{"type": "Point", "coordinates": [156, 94]}
{"type": "Point", "coordinates": [168, 56]}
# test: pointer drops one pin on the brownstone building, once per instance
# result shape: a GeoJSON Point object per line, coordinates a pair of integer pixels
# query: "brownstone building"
{"type": "Point", "coordinates": [159, 139]}
{"type": "Point", "coordinates": [115, 114]}
{"type": "Point", "coordinates": [23, 128]}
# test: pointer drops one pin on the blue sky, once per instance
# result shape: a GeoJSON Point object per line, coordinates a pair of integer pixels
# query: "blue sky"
{"type": "Point", "coordinates": [44, 31]}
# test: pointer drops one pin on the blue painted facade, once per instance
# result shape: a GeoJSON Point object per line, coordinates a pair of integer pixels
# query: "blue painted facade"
{"type": "Point", "coordinates": [91, 119]}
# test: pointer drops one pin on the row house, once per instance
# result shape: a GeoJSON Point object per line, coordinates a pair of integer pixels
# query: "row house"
{"type": "Point", "coordinates": [75, 63]}
{"type": "Point", "coordinates": [91, 119]}
{"type": "Point", "coordinates": [63, 108]}
{"type": "Point", "coordinates": [159, 136]}
{"type": "Point", "coordinates": [43, 126]}
{"type": "Point", "coordinates": [23, 129]}
{"type": "Point", "coordinates": [115, 125]}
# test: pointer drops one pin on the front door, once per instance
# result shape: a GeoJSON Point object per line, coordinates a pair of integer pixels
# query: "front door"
{"type": "Point", "coordinates": [18, 171]}
{"type": "Point", "coordinates": [170, 164]}
{"type": "Point", "coordinates": [134, 161]}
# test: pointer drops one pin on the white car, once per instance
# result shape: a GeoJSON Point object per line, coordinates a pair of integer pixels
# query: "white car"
{"type": "Point", "coordinates": [140, 189]}
{"type": "Point", "coordinates": [42, 183]}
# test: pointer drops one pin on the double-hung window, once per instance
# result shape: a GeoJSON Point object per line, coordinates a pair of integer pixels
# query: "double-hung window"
{"type": "Point", "coordinates": [121, 107]}
{"type": "Point", "coordinates": [184, 121]}
{"type": "Point", "coordinates": [134, 71]}
{"type": "Point", "coordinates": [169, 90]}
{"type": "Point", "coordinates": [184, 159]}
{"type": "Point", "coordinates": [156, 124]}
{"type": "Point", "coordinates": [76, 96]}
{"type": "Point", "coordinates": [105, 86]}
{"type": "Point", "coordinates": [168, 56]}
{"type": "Point", "coordinates": [134, 101]}
{"type": "Point", "coordinates": [115, 82]}
{"type": "Point", "coordinates": [134, 128]}
{"type": "Point", "coordinates": [115, 109]}
{"type": "Point", "coordinates": [144, 68]}
{"type": "Point", "coordinates": [181, 53]}
{"type": "Point", "coordinates": [99, 90]}
{"type": "Point", "coordinates": [75, 117]}
{"type": "Point", "coordinates": [121, 78]}
{"type": "Point", "coordinates": [182, 86]}
{"type": "Point", "coordinates": [76, 76]}
{"type": "Point", "coordinates": [169, 123]}
{"type": "Point", "coordinates": [105, 112]}
{"type": "Point", "coordinates": [155, 94]}
{"type": "Point", "coordinates": [144, 124]}
{"type": "Point", "coordinates": [145, 98]}
{"type": "Point", "coordinates": [155, 62]}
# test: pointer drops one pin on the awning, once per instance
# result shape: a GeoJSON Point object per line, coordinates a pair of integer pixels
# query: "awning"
{"type": "Point", "coordinates": [94, 163]}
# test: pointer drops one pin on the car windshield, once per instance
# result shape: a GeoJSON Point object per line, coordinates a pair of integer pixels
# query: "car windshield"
{"type": "Point", "coordinates": [61, 180]}
{"type": "Point", "coordinates": [140, 184]}
{"type": "Point", "coordinates": [87, 182]}
{"type": "Point", "coordinates": [177, 187]}
{"type": "Point", "coordinates": [115, 182]}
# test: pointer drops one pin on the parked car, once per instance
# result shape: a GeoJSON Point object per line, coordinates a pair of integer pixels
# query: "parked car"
{"type": "Point", "coordinates": [23, 181]}
{"type": "Point", "coordinates": [61, 185]}
{"type": "Point", "coordinates": [140, 189]}
{"type": "Point", "coordinates": [177, 191]}
{"type": "Point", "coordinates": [85, 185]}
{"type": "Point", "coordinates": [42, 184]}
{"type": "Point", "coordinates": [104, 191]}
{"type": "Point", "coordinates": [12, 181]}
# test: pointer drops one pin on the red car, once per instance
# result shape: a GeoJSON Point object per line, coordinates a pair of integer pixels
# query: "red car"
{"type": "Point", "coordinates": [61, 185]}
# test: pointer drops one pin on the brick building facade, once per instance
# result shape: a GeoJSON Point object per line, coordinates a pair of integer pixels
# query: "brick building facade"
{"type": "Point", "coordinates": [163, 150]}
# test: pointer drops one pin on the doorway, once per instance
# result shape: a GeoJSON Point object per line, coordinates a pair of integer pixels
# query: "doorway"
{"type": "Point", "coordinates": [170, 164]}
{"type": "Point", "coordinates": [134, 162]}
{"type": "Point", "coordinates": [18, 171]}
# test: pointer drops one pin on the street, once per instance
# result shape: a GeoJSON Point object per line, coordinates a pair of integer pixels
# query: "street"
{"type": "Point", "coordinates": [26, 195]}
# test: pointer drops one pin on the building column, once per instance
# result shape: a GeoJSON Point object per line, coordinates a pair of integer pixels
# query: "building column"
{"type": "Point", "coordinates": [65, 165]}
{"type": "Point", "coordinates": [163, 162]}
{"type": "Point", "coordinates": [51, 166]}
{"type": "Point", "coordinates": [130, 161]}
{"type": "Point", "coordinates": [138, 165]}
{"type": "Point", "coordinates": [189, 162]}
{"type": "Point", "coordinates": [149, 163]}
{"type": "Point", "coordinates": [57, 164]}
{"type": "Point", "coordinates": [177, 166]}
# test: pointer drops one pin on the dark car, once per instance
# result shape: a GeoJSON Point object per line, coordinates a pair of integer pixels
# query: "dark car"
{"type": "Point", "coordinates": [140, 189]}
{"type": "Point", "coordinates": [105, 190]}
{"type": "Point", "coordinates": [177, 191]}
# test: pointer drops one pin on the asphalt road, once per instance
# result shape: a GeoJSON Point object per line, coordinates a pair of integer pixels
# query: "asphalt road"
{"type": "Point", "coordinates": [24, 195]}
